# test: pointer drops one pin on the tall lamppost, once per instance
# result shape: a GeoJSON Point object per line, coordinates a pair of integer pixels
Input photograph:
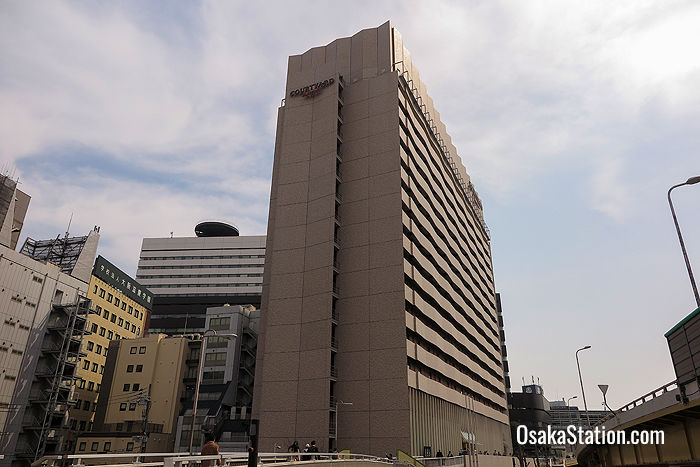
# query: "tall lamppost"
{"type": "Point", "coordinates": [199, 376]}
{"type": "Point", "coordinates": [337, 413]}
{"type": "Point", "coordinates": [583, 393]}
{"type": "Point", "coordinates": [690, 181]}
{"type": "Point", "coordinates": [568, 409]}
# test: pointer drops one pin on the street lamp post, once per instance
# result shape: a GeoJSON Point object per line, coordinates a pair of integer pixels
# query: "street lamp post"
{"type": "Point", "coordinates": [199, 377]}
{"type": "Point", "coordinates": [568, 409]}
{"type": "Point", "coordinates": [690, 181]}
{"type": "Point", "coordinates": [337, 413]}
{"type": "Point", "coordinates": [583, 393]}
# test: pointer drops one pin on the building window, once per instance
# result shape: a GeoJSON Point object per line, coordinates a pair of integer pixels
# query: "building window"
{"type": "Point", "coordinates": [132, 350]}
{"type": "Point", "coordinates": [124, 306]}
{"type": "Point", "coordinates": [86, 406]}
{"type": "Point", "coordinates": [82, 425]}
{"type": "Point", "coordinates": [136, 387]}
{"type": "Point", "coordinates": [102, 331]}
{"type": "Point", "coordinates": [105, 314]}
{"type": "Point", "coordinates": [142, 349]}
{"type": "Point", "coordinates": [110, 297]}
{"type": "Point", "coordinates": [118, 336]}
{"type": "Point", "coordinates": [117, 302]}
{"type": "Point", "coordinates": [130, 446]}
{"type": "Point", "coordinates": [93, 328]}
{"type": "Point", "coordinates": [86, 364]}
{"type": "Point", "coordinates": [94, 290]}
{"type": "Point", "coordinates": [122, 407]}
{"type": "Point", "coordinates": [81, 383]}
{"type": "Point", "coordinates": [91, 386]}
{"type": "Point", "coordinates": [132, 406]}
{"type": "Point", "coordinates": [95, 367]}
{"type": "Point", "coordinates": [78, 404]}
{"type": "Point", "coordinates": [102, 369]}
{"type": "Point", "coordinates": [130, 368]}
{"type": "Point", "coordinates": [138, 330]}
{"type": "Point", "coordinates": [99, 348]}
{"type": "Point", "coordinates": [127, 386]}
{"type": "Point", "coordinates": [114, 318]}
{"type": "Point", "coordinates": [127, 325]}
{"type": "Point", "coordinates": [131, 309]}
{"type": "Point", "coordinates": [102, 293]}
{"type": "Point", "coordinates": [82, 445]}
{"type": "Point", "coordinates": [94, 446]}
{"type": "Point", "coordinates": [110, 334]}
{"type": "Point", "coordinates": [98, 309]}
{"type": "Point", "coordinates": [90, 345]}
{"type": "Point", "coordinates": [119, 427]}
{"type": "Point", "coordinates": [139, 368]}
{"type": "Point", "coordinates": [121, 322]}
{"type": "Point", "coordinates": [108, 446]}
{"type": "Point", "coordinates": [98, 387]}
{"type": "Point", "coordinates": [133, 328]}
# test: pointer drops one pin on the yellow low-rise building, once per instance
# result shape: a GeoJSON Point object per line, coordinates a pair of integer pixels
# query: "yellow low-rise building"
{"type": "Point", "coordinates": [141, 393]}
{"type": "Point", "coordinates": [120, 310]}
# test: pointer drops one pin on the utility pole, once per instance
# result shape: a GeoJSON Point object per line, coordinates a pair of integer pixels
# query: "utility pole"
{"type": "Point", "coordinates": [145, 399]}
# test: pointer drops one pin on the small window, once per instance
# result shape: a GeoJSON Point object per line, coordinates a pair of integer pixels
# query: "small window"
{"type": "Point", "coordinates": [94, 290]}
{"type": "Point", "coordinates": [102, 369]}
{"type": "Point", "coordinates": [82, 446]}
{"type": "Point", "coordinates": [132, 350]}
{"type": "Point", "coordinates": [90, 345]}
{"type": "Point", "coordinates": [78, 404]}
{"type": "Point", "coordinates": [82, 425]}
{"type": "Point", "coordinates": [98, 387]}
{"type": "Point", "coordinates": [105, 314]}
{"type": "Point", "coordinates": [95, 446]}
{"type": "Point", "coordinates": [91, 386]}
{"type": "Point", "coordinates": [124, 306]}
{"type": "Point", "coordinates": [93, 328]}
{"type": "Point", "coordinates": [122, 407]}
{"type": "Point", "coordinates": [142, 349]}
{"type": "Point", "coordinates": [99, 348]}
{"type": "Point", "coordinates": [139, 368]}
{"type": "Point", "coordinates": [131, 309]}
{"type": "Point", "coordinates": [117, 336]}
{"type": "Point", "coordinates": [110, 297]}
{"type": "Point", "coordinates": [117, 302]}
{"type": "Point", "coordinates": [127, 386]}
{"type": "Point", "coordinates": [127, 325]}
{"type": "Point", "coordinates": [102, 331]}
{"type": "Point", "coordinates": [108, 446]}
{"type": "Point", "coordinates": [81, 384]}
{"type": "Point", "coordinates": [114, 318]}
{"type": "Point", "coordinates": [121, 322]}
{"type": "Point", "coordinates": [130, 446]}
{"type": "Point", "coordinates": [102, 293]}
{"type": "Point", "coordinates": [110, 335]}
{"type": "Point", "coordinates": [130, 368]}
{"type": "Point", "coordinates": [119, 427]}
{"type": "Point", "coordinates": [86, 364]}
{"type": "Point", "coordinates": [86, 406]}
{"type": "Point", "coordinates": [132, 406]}
{"type": "Point", "coordinates": [136, 387]}
{"type": "Point", "coordinates": [98, 309]}
{"type": "Point", "coordinates": [95, 367]}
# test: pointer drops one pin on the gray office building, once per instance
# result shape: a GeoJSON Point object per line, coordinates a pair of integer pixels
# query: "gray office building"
{"type": "Point", "coordinates": [187, 275]}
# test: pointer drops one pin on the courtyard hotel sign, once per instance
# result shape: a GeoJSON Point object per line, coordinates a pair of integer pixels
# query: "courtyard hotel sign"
{"type": "Point", "coordinates": [312, 89]}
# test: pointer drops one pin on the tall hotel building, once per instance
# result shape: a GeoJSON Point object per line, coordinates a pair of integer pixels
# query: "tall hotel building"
{"type": "Point", "coordinates": [378, 288]}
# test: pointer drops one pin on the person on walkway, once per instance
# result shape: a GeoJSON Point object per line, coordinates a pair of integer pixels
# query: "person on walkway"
{"type": "Point", "coordinates": [313, 448]}
{"type": "Point", "coordinates": [295, 449]}
{"type": "Point", "coordinates": [306, 457]}
{"type": "Point", "coordinates": [210, 448]}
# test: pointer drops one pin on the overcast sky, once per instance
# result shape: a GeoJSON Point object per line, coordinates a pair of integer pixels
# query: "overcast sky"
{"type": "Point", "coordinates": [572, 118]}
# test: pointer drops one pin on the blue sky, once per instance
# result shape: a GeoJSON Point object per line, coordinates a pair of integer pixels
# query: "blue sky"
{"type": "Point", "coordinates": [572, 118]}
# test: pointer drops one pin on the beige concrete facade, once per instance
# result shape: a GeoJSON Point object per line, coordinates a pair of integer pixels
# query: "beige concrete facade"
{"type": "Point", "coordinates": [150, 367]}
{"type": "Point", "coordinates": [378, 287]}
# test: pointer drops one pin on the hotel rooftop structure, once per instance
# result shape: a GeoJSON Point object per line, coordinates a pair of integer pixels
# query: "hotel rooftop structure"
{"type": "Point", "coordinates": [379, 324]}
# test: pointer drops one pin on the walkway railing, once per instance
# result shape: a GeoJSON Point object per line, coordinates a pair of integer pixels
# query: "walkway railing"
{"type": "Point", "coordinates": [179, 459]}
{"type": "Point", "coordinates": [641, 400]}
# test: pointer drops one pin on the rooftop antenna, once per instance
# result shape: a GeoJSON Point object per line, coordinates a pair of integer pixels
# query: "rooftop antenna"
{"type": "Point", "coordinates": [70, 221]}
